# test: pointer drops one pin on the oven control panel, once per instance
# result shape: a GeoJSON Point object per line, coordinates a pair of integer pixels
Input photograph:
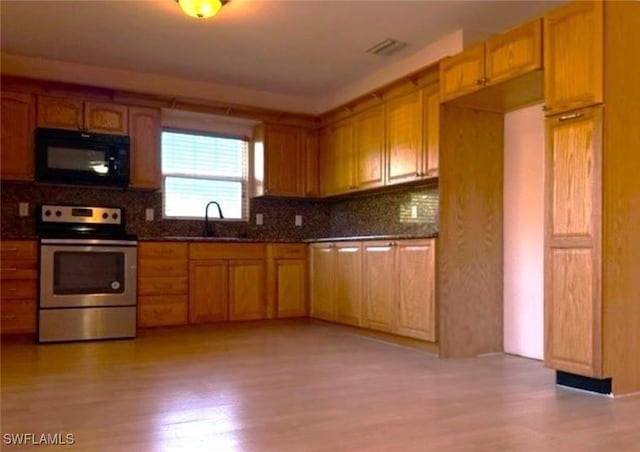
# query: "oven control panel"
{"type": "Point", "coordinates": [51, 213]}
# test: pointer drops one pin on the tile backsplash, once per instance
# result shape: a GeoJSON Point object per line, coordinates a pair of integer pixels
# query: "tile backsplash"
{"type": "Point", "coordinates": [411, 211]}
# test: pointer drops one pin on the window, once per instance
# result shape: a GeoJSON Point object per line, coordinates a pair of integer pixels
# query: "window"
{"type": "Point", "coordinates": [198, 168]}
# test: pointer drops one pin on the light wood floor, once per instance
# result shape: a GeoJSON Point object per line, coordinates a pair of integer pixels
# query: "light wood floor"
{"type": "Point", "coordinates": [295, 386]}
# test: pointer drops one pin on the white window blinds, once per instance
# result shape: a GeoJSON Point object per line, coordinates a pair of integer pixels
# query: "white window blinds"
{"type": "Point", "coordinates": [198, 168]}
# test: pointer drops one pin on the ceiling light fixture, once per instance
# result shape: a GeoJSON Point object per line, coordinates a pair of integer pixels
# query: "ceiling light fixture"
{"type": "Point", "coordinates": [201, 9]}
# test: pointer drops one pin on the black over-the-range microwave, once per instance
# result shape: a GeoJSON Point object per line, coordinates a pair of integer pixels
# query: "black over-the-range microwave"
{"type": "Point", "coordinates": [77, 157]}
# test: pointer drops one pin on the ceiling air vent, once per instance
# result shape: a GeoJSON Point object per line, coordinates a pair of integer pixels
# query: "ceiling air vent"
{"type": "Point", "coordinates": [387, 47]}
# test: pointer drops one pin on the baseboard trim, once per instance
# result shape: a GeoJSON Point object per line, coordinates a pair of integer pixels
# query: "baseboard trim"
{"type": "Point", "coordinates": [599, 386]}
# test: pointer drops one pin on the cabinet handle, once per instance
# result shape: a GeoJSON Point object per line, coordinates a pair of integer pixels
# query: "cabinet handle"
{"type": "Point", "coordinates": [10, 269]}
{"type": "Point", "coordinates": [545, 108]}
{"type": "Point", "coordinates": [9, 317]}
{"type": "Point", "coordinates": [480, 81]}
{"type": "Point", "coordinates": [569, 117]}
{"type": "Point", "coordinates": [9, 250]}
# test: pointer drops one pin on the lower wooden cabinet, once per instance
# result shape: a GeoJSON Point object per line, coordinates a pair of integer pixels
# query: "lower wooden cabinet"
{"type": "Point", "coordinates": [208, 291]}
{"type": "Point", "coordinates": [246, 289]}
{"type": "Point", "coordinates": [287, 280]}
{"type": "Point", "coordinates": [19, 286]}
{"type": "Point", "coordinates": [380, 285]}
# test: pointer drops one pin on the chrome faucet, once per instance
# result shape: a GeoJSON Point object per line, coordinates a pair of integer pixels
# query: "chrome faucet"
{"type": "Point", "coordinates": [207, 230]}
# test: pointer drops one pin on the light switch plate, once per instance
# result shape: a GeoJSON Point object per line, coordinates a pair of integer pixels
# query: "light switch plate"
{"type": "Point", "coordinates": [23, 209]}
{"type": "Point", "coordinates": [298, 220]}
{"type": "Point", "coordinates": [149, 214]}
{"type": "Point", "coordinates": [259, 219]}
{"type": "Point", "coordinates": [414, 211]}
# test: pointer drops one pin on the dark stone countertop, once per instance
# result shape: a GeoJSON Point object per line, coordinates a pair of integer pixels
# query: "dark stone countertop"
{"type": "Point", "coordinates": [214, 239]}
{"type": "Point", "coordinates": [358, 238]}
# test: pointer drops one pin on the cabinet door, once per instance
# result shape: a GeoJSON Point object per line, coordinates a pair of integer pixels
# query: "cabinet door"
{"type": "Point", "coordinates": [462, 73]}
{"type": "Point", "coordinates": [311, 150]}
{"type": "Point", "coordinates": [370, 147]}
{"type": "Point", "coordinates": [514, 53]}
{"type": "Point", "coordinates": [18, 316]}
{"type": "Point", "coordinates": [349, 283]}
{"type": "Point", "coordinates": [106, 118]}
{"type": "Point", "coordinates": [144, 133]}
{"type": "Point", "coordinates": [208, 291]}
{"type": "Point", "coordinates": [16, 151]}
{"type": "Point", "coordinates": [404, 138]}
{"type": "Point", "coordinates": [291, 288]}
{"type": "Point", "coordinates": [162, 310]}
{"type": "Point", "coordinates": [379, 286]}
{"type": "Point", "coordinates": [337, 159]}
{"type": "Point", "coordinates": [573, 306]}
{"type": "Point", "coordinates": [284, 161]}
{"type": "Point", "coordinates": [573, 56]}
{"type": "Point", "coordinates": [416, 290]}
{"type": "Point", "coordinates": [431, 154]}
{"type": "Point", "coordinates": [246, 289]}
{"type": "Point", "coordinates": [322, 280]}
{"type": "Point", "coordinates": [59, 113]}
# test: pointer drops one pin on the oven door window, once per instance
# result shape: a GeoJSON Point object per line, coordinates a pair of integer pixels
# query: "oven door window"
{"type": "Point", "coordinates": [88, 273]}
{"type": "Point", "coordinates": [93, 161]}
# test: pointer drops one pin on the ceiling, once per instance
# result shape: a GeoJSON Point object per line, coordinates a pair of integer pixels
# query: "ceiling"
{"type": "Point", "coordinates": [302, 47]}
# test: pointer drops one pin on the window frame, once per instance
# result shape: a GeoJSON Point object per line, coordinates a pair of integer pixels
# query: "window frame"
{"type": "Point", "coordinates": [245, 180]}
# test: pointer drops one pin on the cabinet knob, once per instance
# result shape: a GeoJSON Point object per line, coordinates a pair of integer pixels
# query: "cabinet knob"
{"type": "Point", "coordinates": [545, 108]}
{"type": "Point", "coordinates": [570, 117]}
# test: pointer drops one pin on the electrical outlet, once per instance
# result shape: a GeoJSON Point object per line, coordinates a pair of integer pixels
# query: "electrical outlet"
{"type": "Point", "coordinates": [414, 211]}
{"type": "Point", "coordinates": [23, 209]}
{"type": "Point", "coordinates": [259, 219]}
{"type": "Point", "coordinates": [149, 214]}
{"type": "Point", "coordinates": [298, 220]}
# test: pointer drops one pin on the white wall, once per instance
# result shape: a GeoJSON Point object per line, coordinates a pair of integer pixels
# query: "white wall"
{"type": "Point", "coordinates": [523, 232]}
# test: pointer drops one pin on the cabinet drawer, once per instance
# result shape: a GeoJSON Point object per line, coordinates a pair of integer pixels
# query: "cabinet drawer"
{"type": "Point", "coordinates": [162, 310]}
{"type": "Point", "coordinates": [227, 250]}
{"type": "Point", "coordinates": [162, 267]}
{"type": "Point", "coordinates": [163, 250]}
{"type": "Point", "coordinates": [18, 288]}
{"type": "Point", "coordinates": [19, 269]}
{"type": "Point", "coordinates": [161, 286]}
{"type": "Point", "coordinates": [18, 316]}
{"type": "Point", "coordinates": [22, 249]}
{"type": "Point", "coordinates": [290, 251]}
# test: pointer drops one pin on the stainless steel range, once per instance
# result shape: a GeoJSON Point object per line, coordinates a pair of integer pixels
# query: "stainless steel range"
{"type": "Point", "coordinates": [87, 274]}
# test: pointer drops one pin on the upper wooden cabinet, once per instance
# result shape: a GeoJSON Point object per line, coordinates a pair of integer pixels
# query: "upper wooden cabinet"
{"type": "Point", "coordinates": [431, 131]}
{"type": "Point", "coordinates": [573, 56]}
{"type": "Point", "coordinates": [311, 139]}
{"type": "Point", "coordinates": [515, 52]}
{"type": "Point", "coordinates": [144, 133]}
{"type": "Point", "coordinates": [462, 73]}
{"type": "Point", "coordinates": [67, 113]}
{"type": "Point", "coordinates": [404, 138]}
{"type": "Point", "coordinates": [370, 147]}
{"type": "Point", "coordinates": [279, 160]}
{"type": "Point", "coordinates": [500, 58]}
{"type": "Point", "coordinates": [106, 118]}
{"type": "Point", "coordinates": [16, 148]}
{"type": "Point", "coordinates": [337, 158]}
{"type": "Point", "coordinates": [60, 113]}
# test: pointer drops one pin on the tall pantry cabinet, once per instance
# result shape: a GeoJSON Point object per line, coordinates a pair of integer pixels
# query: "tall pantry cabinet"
{"type": "Point", "coordinates": [592, 245]}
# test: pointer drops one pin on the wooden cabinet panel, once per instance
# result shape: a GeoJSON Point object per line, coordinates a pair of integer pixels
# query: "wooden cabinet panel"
{"type": "Point", "coordinates": [246, 290]}
{"type": "Point", "coordinates": [312, 150]}
{"type": "Point", "coordinates": [59, 113]}
{"type": "Point", "coordinates": [18, 316]}
{"type": "Point", "coordinates": [462, 73]}
{"type": "Point", "coordinates": [162, 267]}
{"type": "Point", "coordinates": [162, 285]}
{"type": "Point", "coordinates": [404, 138]}
{"type": "Point", "coordinates": [162, 310]}
{"type": "Point", "coordinates": [573, 56]}
{"type": "Point", "coordinates": [19, 250]}
{"type": "Point", "coordinates": [208, 291]}
{"type": "Point", "coordinates": [322, 267]}
{"type": "Point", "coordinates": [574, 143]}
{"type": "Point", "coordinates": [14, 289]}
{"type": "Point", "coordinates": [144, 133]}
{"type": "Point", "coordinates": [370, 147]}
{"type": "Point", "coordinates": [291, 288]}
{"type": "Point", "coordinates": [515, 52]}
{"type": "Point", "coordinates": [416, 290]}
{"type": "Point", "coordinates": [16, 145]}
{"type": "Point", "coordinates": [227, 251]}
{"type": "Point", "coordinates": [284, 161]}
{"type": "Point", "coordinates": [348, 283]}
{"type": "Point", "coordinates": [431, 121]}
{"type": "Point", "coordinates": [289, 250]}
{"type": "Point", "coordinates": [163, 250]}
{"type": "Point", "coordinates": [106, 118]}
{"type": "Point", "coordinates": [19, 269]}
{"type": "Point", "coordinates": [337, 160]}
{"type": "Point", "coordinates": [572, 312]}
{"type": "Point", "coordinates": [379, 286]}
